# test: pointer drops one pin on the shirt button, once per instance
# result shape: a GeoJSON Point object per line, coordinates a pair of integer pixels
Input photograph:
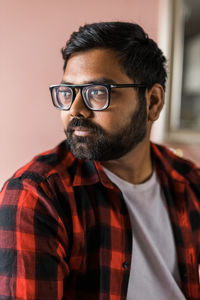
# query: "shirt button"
{"type": "Point", "coordinates": [125, 265]}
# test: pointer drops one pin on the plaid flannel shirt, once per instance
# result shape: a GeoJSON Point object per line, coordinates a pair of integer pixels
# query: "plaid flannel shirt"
{"type": "Point", "coordinates": [65, 230]}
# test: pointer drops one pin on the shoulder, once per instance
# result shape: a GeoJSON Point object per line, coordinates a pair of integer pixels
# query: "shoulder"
{"type": "Point", "coordinates": [46, 165]}
{"type": "Point", "coordinates": [31, 205]}
{"type": "Point", "coordinates": [174, 165]}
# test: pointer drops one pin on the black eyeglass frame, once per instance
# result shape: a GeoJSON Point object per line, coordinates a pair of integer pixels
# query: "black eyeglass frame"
{"type": "Point", "coordinates": [81, 86]}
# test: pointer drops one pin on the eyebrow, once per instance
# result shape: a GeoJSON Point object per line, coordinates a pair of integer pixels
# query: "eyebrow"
{"type": "Point", "coordinates": [96, 81]}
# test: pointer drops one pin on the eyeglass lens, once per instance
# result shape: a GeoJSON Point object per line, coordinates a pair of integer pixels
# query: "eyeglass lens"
{"type": "Point", "coordinates": [96, 97]}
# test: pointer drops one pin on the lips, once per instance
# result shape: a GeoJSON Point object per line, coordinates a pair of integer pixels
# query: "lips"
{"type": "Point", "coordinates": [82, 131]}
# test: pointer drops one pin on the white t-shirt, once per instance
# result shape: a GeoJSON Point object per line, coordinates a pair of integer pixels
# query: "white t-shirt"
{"type": "Point", "coordinates": [154, 272]}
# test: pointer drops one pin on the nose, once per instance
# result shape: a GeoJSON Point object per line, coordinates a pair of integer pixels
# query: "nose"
{"type": "Point", "coordinates": [79, 108]}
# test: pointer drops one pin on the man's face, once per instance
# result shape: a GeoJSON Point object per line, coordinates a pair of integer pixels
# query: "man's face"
{"type": "Point", "coordinates": [112, 133]}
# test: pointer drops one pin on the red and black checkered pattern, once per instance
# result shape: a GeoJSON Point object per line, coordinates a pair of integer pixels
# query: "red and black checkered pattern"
{"type": "Point", "coordinates": [65, 230]}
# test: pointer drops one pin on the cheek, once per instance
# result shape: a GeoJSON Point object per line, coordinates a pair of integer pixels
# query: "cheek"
{"type": "Point", "coordinates": [111, 121]}
{"type": "Point", "coordinates": [64, 118]}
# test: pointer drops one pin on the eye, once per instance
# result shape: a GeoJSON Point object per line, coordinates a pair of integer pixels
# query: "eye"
{"type": "Point", "coordinates": [97, 93]}
{"type": "Point", "coordinates": [64, 96]}
{"type": "Point", "coordinates": [65, 92]}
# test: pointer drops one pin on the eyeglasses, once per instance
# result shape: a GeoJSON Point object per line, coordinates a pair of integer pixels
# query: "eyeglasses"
{"type": "Point", "coordinates": [95, 96]}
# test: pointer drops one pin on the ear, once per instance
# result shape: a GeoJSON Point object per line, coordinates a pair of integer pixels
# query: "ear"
{"type": "Point", "coordinates": [155, 101]}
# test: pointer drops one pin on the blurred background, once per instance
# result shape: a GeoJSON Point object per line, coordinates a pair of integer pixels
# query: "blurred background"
{"type": "Point", "coordinates": [31, 36]}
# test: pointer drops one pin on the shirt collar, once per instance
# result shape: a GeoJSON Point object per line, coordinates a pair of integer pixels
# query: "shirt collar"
{"type": "Point", "coordinates": [89, 173]}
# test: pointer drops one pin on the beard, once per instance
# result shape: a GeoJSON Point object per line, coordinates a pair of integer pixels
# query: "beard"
{"type": "Point", "coordinates": [103, 146]}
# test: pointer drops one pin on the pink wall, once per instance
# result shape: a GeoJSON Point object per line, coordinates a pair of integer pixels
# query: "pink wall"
{"type": "Point", "coordinates": [31, 36]}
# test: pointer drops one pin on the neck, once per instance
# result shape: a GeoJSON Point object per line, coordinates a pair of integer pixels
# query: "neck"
{"type": "Point", "coordinates": [135, 167]}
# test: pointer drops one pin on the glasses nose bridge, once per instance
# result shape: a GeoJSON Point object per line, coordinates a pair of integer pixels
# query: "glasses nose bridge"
{"type": "Point", "coordinates": [78, 90]}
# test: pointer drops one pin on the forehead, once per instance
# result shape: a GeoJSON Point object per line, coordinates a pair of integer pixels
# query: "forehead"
{"type": "Point", "coordinates": [87, 66]}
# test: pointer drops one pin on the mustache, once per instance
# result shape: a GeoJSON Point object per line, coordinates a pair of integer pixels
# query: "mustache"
{"type": "Point", "coordinates": [78, 122]}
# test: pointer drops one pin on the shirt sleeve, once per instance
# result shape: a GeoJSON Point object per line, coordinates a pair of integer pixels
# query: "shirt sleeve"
{"type": "Point", "coordinates": [33, 245]}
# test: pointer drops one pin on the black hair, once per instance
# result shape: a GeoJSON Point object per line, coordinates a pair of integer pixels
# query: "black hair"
{"type": "Point", "coordinates": [140, 57]}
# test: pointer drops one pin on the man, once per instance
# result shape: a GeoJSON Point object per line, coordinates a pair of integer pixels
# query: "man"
{"type": "Point", "coordinates": [106, 214]}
